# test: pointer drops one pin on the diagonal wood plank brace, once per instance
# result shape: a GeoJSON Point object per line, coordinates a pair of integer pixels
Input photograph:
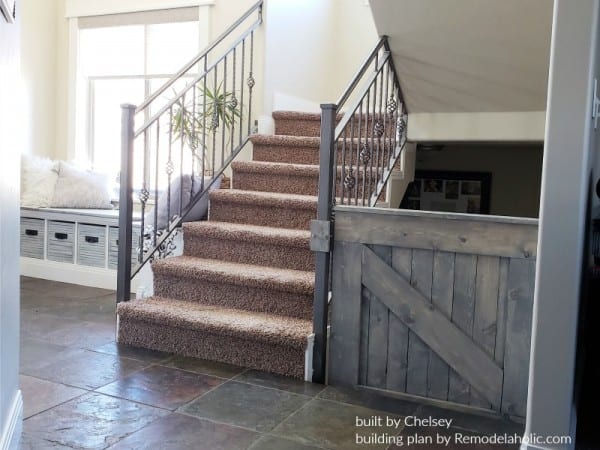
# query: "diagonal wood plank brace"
{"type": "Point", "coordinates": [438, 332]}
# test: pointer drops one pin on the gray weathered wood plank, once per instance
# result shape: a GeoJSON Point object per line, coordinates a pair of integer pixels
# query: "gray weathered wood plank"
{"type": "Point", "coordinates": [451, 233]}
{"type": "Point", "coordinates": [345, 314]}
{"type": "Point", "coordinates": [486, 307]}
{"type": "Point", "coordinates": [378, 332]}
{"type": "Point", "coordinates": [436, 331]}
{"type": "Point", "coordinates": [486, 302]}
{"type": "Point", "coordinates": [378, 342]}
{"type": "Point", "coordinates": [441, 297]}
{"type": "Point", "coordinates": [502, 307]}
{"type": "Point", "coordinates": [463, 309]}
{"type": "Point", "coordinates": [521, 280]}
{"type": "Point", "coordinates": [418, 352]}
{"type": "Point", "coordinates": [398, 332]}
{"type": "Point", "coordinates": [365, 317]}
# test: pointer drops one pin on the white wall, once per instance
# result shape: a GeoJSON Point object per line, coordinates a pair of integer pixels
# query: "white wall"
{"type": "Point", "coordinates": [45, 66]}
{"type": "Point", "coordinates": [569, 148]}
{"type": "Point", "coordinates": [39, 59]}
{"type": "Point", "coordinates": [516, 172]}
{"type": "Point", "coordinates": [517, 126]}
{"type": "Point", "coordinates": [312, 50]}
{"type": "Point", "coordinates": [305, 55]}
{"type": "Point", "coordinates": [11, 123]}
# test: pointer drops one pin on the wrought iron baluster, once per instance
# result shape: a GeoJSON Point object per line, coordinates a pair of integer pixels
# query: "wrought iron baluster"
{"type": "Point", "coordinates": [214, 126]}
{"type": "Point", "coordinates": [143, 194]}
{"type": "Point", "coordinates": [203, 174]}
{"type": "Point", "coordinates": [346, 174]}
{"type": "Point", "coordinates": [374, 140]}
{"type": "Point", "coordinates": [382, 101]}
{"type": "Point", "coordinates": [224, 106]}
{"type": "Point", "coordinates": [156, 176]}
{"type": "Point", "coordinates": [365, 151]}
{"type": "Point", "coordinates": [192, 143]}
{"type": "Point", "coordinates": [181, 142]}
{"type": "Point", "coordinates": [234, 102]}
{"type": "Point", "coordinates": [369, 137]}
{"type": "Point", "coordinates": [169, 168]}
{"type": "Point", "coordinates": [242, 89]}
{"type": "Point", "coordinates": [250, 82]}
{"type": "Point", "coordinates": [388, 105]}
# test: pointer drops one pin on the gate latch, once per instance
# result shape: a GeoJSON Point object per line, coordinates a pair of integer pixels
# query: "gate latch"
{"type": "Point", "coordinates": [320, 235]}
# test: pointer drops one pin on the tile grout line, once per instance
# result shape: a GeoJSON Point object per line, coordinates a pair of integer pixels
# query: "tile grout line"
{"type": "Point", "coordinates": [58, 404]}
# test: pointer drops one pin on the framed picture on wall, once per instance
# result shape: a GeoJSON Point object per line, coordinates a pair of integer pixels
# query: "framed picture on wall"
{"type": "Point", "coordinates": [7, 7]}
{"type": "Point", "coordinates": [461, 192]}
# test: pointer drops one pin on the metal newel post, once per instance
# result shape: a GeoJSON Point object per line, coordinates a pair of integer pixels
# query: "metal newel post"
{"type": "Point", "coordinates": [321, 239]}
{"type": "Point", "coordinates": [125, 204]}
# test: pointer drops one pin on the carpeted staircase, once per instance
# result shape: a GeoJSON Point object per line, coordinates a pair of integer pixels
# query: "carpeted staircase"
{"type": "Point", "coordinates": [242, 292]}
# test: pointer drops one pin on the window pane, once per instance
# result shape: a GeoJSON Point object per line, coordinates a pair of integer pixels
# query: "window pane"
{"type": "Point", "coordinates": [171, 45]}
{"type": "Point", "coordinates": [108, 97]}
{"type": "Point", "coordinates": [112, 51]}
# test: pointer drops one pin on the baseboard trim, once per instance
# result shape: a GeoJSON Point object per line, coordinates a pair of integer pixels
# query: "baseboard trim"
{"type": "Point", "coordinates": [308, 358]}
{"type": "Point", "coordinates": [72, 273]}
{"type": "Point", "coordinates": [11, 433]}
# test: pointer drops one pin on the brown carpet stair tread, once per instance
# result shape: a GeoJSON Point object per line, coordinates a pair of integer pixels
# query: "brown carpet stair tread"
{"type": "Point", "coordinates": [268, 199]}
{"type": "Point", "coordinates": [225, 272]}
{"type": "Point", "coordinates": [247, 233]}
{"type": "Point", "coordinates": [301, 170]}
{"type": "Point", "coordinates": [215, 320]}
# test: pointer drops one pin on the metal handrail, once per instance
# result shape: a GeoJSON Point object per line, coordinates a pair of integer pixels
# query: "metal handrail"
{"type": "Point", "coordinates": [212, 117]}
{"type": "Point", "coordinates": [339, 129]}
{"type": "Point", "coordinates": [356, 159]}
{"type": "Point", "coordinates": [196, 79]}
{"type": "Point", "coordinates": [257, 6]}
{"type": "Point", "coordinates": [361, 71]}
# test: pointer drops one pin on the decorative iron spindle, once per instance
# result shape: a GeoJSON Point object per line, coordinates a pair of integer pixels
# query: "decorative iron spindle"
{"type": "Point", "coordinates": [376, 119]}
{"type": "Point", "coordinates": [202, 109]}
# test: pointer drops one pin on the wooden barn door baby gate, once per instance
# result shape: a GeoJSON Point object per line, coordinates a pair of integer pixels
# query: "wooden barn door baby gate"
{"type": "Point", "coordinates": [435, 305]}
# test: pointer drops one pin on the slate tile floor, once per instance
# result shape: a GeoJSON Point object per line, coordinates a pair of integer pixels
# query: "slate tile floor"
{"type": "Point", "coordinates": [83, 391]}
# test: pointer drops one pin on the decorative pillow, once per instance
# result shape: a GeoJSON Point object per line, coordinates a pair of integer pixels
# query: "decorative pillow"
{"type": "Point", "coordinates": [76, 188]}
{"type": "Point", "coordinates": [38, 180]}
{"type": "Point", "coordinates": [181, 187]}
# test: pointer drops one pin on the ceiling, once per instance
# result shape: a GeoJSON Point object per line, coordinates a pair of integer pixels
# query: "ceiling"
{"type": "Point", "coordinates": [469, 55]}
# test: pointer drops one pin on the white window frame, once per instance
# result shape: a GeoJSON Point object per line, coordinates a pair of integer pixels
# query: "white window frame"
{"type": "Point", "coordinates": [78, 135]}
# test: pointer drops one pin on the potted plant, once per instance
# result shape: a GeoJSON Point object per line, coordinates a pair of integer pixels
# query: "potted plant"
{"type": "Point", "coordinates": [216, 111]}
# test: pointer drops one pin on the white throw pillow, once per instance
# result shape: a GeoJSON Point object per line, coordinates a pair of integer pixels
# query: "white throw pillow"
{"type": "Point", "coordinates": [38, 180]}
{"type": "Point", "coordinates": [78, 188]}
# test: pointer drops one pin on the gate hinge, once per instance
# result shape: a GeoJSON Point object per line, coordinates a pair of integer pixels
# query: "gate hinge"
{"type": "Point", "coordinates": [320, 236]}
{"type": "Point", "coordinates": [595, 105]}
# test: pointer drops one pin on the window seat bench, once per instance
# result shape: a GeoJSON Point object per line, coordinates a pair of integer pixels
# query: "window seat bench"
{"type": "Point", "coordinates": [78, 246]}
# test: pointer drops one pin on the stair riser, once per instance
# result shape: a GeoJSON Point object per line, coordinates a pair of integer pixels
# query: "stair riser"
{"type": "Point", "coordinates": [310, 155]}
{"type": "Point", "coordinates": [285, 154]}
{"type": "Point", "coordinates": [274, 182]}
{"type": "Point", "coordinates": [268, 216]}
{"type": "Point", "coordinates": [257, 253]}
{"type": "Point", "coordinates": [297, 127]}
{"type": "Point", "coordinates": [279, 359]}
{"type": "Point", "coordinates": [227, 295]}
{"type": "Point", "coordinates": [312, 128]}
